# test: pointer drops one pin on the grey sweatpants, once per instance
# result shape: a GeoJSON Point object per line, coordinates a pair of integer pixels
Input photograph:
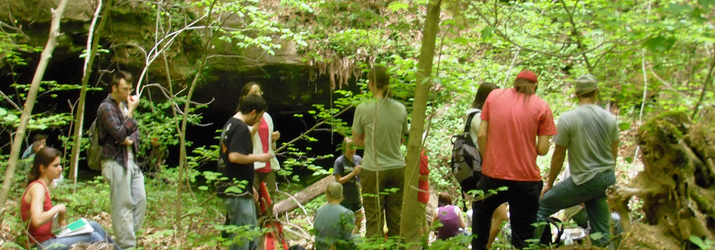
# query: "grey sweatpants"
{"type": "Point", "coordinates": [126, 190]}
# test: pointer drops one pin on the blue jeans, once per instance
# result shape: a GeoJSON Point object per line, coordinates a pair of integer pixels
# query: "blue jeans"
{"type": "Point", "coordinates": [65, 242]}
{"type": "Point", "coordinates": [566, 193]}
{"type": "Point", "coordinates": [241, 211]}
{"type": "Point", "coordinates": [523, 198]}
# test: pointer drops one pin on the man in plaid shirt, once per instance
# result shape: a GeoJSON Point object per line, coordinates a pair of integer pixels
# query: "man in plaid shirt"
{"type": "Point", "coordinates": [120, 141]}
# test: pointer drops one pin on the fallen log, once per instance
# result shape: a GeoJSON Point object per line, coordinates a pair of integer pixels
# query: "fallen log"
{"type": "Point", "coordinates": [318, 188]}
{"type": "Point", "coordinates": [304, 196]}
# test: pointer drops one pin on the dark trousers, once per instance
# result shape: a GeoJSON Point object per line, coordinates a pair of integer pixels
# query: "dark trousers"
{"type": "Point", "coordinates": [523, 199]}
{"type": "Point", "coordinates": [380, 203]}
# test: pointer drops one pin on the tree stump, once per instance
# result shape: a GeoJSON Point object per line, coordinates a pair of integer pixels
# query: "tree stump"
{"type": "Point", "coordinates": [677, 184]}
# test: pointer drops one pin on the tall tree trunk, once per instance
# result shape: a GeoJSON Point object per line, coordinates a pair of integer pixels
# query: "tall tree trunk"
{"type": "Point", "coordinates": [31, 97]}
{"type": "Point", "coordinates": [409, 228]}
{"type": "Point", "coordinates": [89, 60]}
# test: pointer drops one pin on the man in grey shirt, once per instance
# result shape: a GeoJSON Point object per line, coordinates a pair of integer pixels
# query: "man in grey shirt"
{"type": "Point", "coordinates": [333, 222]}
{"type": "Point", "coordinates": [590, 134]}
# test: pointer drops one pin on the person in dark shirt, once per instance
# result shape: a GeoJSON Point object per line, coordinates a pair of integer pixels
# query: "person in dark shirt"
{"type": "Point", "coordinates": [236, 162]}
{"type": "Point", "coordinates": [347, 171]}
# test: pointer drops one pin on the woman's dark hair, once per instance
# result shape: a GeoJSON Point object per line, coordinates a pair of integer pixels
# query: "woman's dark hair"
{"type": "Point", "coordinates": [244, 92]}
{"type": "Point", "coordinates": [247, 88]}
{"type": "Point", "coordinates": [43, 157]}
{"type": "Point", "coordinates": [482, 94]}
{"type": "Point", "coordinates": [378, 75]}
{"type": "Point", "coordinates": [40, 140]}
{"type": "Point", "coordinates": [444, 199]}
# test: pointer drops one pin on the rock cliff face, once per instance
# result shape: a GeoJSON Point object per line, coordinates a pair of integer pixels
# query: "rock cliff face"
{"type": "Point", "coordinates": [130, 34]}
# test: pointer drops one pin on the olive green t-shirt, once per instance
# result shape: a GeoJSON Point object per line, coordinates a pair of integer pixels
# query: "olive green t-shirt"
{"type": "Point", "coordinates": [383, 136]}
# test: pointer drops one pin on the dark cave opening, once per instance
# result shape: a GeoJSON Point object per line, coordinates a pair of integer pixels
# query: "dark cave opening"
{"type": "Point", "coordinates": [288, 90]}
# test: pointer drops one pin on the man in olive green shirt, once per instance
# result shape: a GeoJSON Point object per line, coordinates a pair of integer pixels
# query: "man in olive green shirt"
{"type": "Point", "coordinates": [378, 125]}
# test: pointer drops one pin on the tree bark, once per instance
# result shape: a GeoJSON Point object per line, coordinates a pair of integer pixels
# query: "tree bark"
{"type": "Point", "coordinates": [31, 97]}
{"type": "Point", "coordinates": [676, 185]}
{"type": "Point", "coordinates": [89, 60]}
{"type": "Point", "coordinates": [409, 228]}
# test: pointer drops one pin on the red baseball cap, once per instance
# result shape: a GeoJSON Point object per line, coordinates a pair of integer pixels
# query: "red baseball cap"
{"type": "Point", "coordinates": [528, 75]}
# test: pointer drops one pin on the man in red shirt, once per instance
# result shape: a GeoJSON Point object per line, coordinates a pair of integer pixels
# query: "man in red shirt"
{"type": "Point", "coordinates": [512, 119]}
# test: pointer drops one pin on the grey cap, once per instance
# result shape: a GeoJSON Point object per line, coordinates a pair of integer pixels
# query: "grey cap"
{"type": "Point", "coordinates": [586, 83]}
{"type": "Point", "coordinates": [335, 190]}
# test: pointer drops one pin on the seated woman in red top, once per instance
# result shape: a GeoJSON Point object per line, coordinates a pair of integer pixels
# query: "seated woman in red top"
{"type": "Point", "coordinates": [37, 210]}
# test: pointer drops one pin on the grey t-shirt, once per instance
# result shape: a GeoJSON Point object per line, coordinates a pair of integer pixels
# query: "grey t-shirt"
{"type": "Point", "coordinates": [343, 167]}
{"type": "Point", "coordinates": [333, 224]}
{"type": "Point", "coordinates": [387, 131]}
{"type": "Point", "coordinates": [588, 132]}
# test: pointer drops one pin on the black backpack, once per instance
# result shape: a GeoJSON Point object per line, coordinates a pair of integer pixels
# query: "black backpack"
{"type": "Point", "coordinates": [466, 158]}
{"type": "Point", "coordinates": [94, 152]}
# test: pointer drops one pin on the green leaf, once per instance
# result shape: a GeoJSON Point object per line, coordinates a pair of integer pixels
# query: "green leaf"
{"type": "Point", "coordinates": [3, 112]}
{"type": "Point", "coordinates": [596, 236]}
{"type": "Point", "coordinates": [659, 43]}
{"type": "Point", "coordinates": [624, 126]}
{"type": "Point", "coordinates": [395, 6]}
{"type": "Point", "coordinates": [707, 3]}
{"type": "Point", "coordinates": [203, 188]}
{"type": "Point", "coordinates": [487, 32]}
{"type": "Point", "coordinates": [10, 117]}
{"type": "Point", "coordinates": [461, 40]}
{"type": "Point", "coordinates": [679, 8]}
{"type": "Point", "coordinates": [36, 126]}
{"type": "Point", "coordinates": [698, 241]}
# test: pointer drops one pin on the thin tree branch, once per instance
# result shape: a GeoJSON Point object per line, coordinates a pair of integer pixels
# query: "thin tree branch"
{"type": "Point", "coordinates": [709, 79]}
{"type": "Point", "coordinates": [506, 38]}
{"type": "Point", "coordinates": [299, 205]}
{"type": "Point", "coordinates": [575, 33]}
{"type": "Point", "coordinates": [285, 145]}
{"type": "Point", "coordinates": [10, 101]}
{"type": "Point", "coordinates": [666, 83]}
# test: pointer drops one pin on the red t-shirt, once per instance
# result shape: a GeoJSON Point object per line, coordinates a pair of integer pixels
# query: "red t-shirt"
{"type": "Point", "coordinates": [423, 196]}
{"type": "Point", "coordinates": [43, 232]}
{"type": "Point", "coordinates": [263, 134]}
{"type": "Point", "coordinates": [515, 120]}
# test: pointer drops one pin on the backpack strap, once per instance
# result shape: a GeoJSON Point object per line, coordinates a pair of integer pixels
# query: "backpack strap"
{"type": "Point", "coordinates": [469, 120]}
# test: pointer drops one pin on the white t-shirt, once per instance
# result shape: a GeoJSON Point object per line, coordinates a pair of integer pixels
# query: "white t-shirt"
{"type": "Point", "coordinates": [474, 127]}
{"type": "Point", "coordinates": [130, 151]}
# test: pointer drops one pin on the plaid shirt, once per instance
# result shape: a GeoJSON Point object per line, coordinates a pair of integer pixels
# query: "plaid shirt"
{"type": "Point", "coordinates": [115, 127]}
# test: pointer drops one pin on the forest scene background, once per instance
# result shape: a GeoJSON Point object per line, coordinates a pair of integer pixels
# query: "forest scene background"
{"type": "Point", "coordinates": [654, 59]}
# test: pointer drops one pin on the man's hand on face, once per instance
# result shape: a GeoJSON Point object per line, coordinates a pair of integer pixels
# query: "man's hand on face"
{"type": "Point", "coordinates": [132, 102]}
{"type": "Point", "coordinates": [127, 142]}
